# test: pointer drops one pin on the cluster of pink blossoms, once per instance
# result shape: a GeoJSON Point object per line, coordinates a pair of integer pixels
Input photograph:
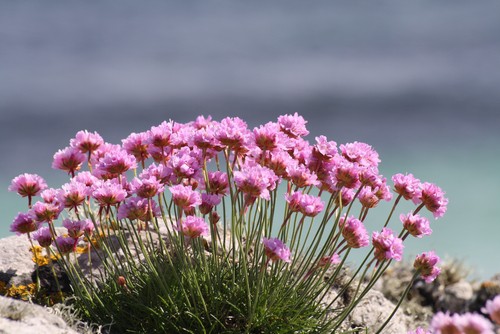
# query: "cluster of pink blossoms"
{"type": "Point", "coordinates": [170, 161]}
{"type": "Point", "coordinates": [468, 323]}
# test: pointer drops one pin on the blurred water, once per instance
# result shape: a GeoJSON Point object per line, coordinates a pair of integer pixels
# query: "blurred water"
{"type": "Point", "coordinates": [418, 81]}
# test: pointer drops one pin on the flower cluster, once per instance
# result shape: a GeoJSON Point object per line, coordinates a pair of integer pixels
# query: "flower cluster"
{"type": "Point", "coordinates": [207, 179]}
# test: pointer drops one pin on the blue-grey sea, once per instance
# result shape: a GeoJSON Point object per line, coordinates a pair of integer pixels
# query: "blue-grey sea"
{"type": "Point", "coordinates": [419, 81]}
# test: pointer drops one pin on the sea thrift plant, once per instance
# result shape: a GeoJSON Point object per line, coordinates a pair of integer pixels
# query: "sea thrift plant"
{"type": "Point", "coordinates": [183, 224]}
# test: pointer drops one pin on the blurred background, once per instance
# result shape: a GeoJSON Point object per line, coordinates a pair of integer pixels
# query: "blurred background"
{"type": "Point", "coordinates": [419, 81]}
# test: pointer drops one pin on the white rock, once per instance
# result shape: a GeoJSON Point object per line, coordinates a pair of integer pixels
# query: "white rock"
{"type": "Point", "coordinates": [18, 317]}
{"type": "Point", "coordinates": [372, 312]}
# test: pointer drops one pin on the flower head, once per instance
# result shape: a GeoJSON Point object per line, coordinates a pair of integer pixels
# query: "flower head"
{"type": "Point", "coordinates": [114, 163]}
{"type": "Point", "coordinates": [324, 150]}
{"type": "Point", "coordinates": [387, 246]}
{"type": "Point", "coordinates": [425, 263]}
{"type": "Point", "coordinates": [46, 212]}
{"type": "Point", "coordinates": [43, 236]}
{"type": "Point", "coordinates": [492, 308]}
{"type": "Point", "coordinates": [208, 201]}
{"type": "Point", "coordinates": [65, 244]}
{"type": "Point", "coordinates": [416, 225]}
{"type": "Point", "coordinates": [276, 250]}
{"type": "Point", "coordinates": [255, 180]}
{"type": "Point", "coordinates": [28, 184]}
{"type": "Point", "coordinates": [433, 198]}
{"type": "Point", "coordinates": [293, 125]}
{"type": "Point", "coordinates": [407, 186]}
{"type": "Point", "coordinates": [86, 141]}
{"type": "Point", "coordinates": [361, 153]}
{"type": "Point", "coordinates": [306, 204]}
{"type": "Point", "coordinates": [473, 323]}
{"type": "Point", "coordinates": [108, 193]}
{"type": "Point", "coordinates": [159, 136]}
{"type": "Point", "coordinates": [185, 197]}
{"type": "Point", "coordinates": [218, 183]}
{"type": "Point", "coordinates": [268, 137]}
{"type": "Point", "coordinates": [24, 223]}
{"type": "Point", "coordinates": [138, 208]}
{"type": "Point", "coordinates": [69, 159]}
{"type": "Point", "coordinates": [73, 194]}
{"type": "Point", "coordinates": [147, 187]}
{"type": "Point", "coordinates": [77, 228]}
{"type": "Point", "coordinates": [354, 232]}
{"type": "Point", "coordinates": [192, 227]}
{"type": "Point", "coordinates": [136, 144]}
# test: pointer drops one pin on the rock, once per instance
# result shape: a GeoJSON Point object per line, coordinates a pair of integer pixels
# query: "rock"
{"type": "Point", "coordinates": [18, 317]}
{"type": "Point", "coordinates": [372, 312]}
{"type": "Point", "coordinates": [455, 298]}
{"type": "Point", "coordinates": [16, 265]}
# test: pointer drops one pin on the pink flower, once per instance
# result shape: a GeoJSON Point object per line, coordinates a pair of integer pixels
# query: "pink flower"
{"type": "Point", "coordinates": [255, 180]}
{"type": "Point", "coordinates": [218, 183]}
{"type": "Point", "coordinates": [361, 153]}
{"type": "Point", "coordinates": [24, 223]}
{"type": "Point", "coordinates": [346, 196]}
{"type": "Point", "coordinates": [185, 197]}
{"type": "Point", "coordinates": [50, 195]}
{"type": "Point", "coordinates": [86, 141]}
{"type": "Point", "coordinates": [43, 236]}
{"type": "Point", "coordinates": [108, 193]}
{"type": "Point", "coordinates": [136, 144]}
{"type": "Point", "coordinates": [268, 137]}
{"type": "Point", "coordinates": [85, 178]}
{"type": "Point", "coordinates": [46, 212]}
{"type": "Point", "coordinates": [185, 163]}
{"type": "Point", "coordinates": [425, 263]}
{"type": "Point", "coordinates": [205, 139]}
{"type": "Point", "coordinates": [73, 194]}
{"type": "Point", "coordinates": [344, 173]}
{"type": "Point", "coordinates": [467, 323]}
{"type": "Point", "coordinates": [416, 225]}
{"type": "Point", "coordinates": [301, 176]}
{"type": "Point", "coordinates": [28, 185]}
{"type": "Point", "coordinates": [146, 187]}
{"type": "Point", "coordinates": [192, 227]}
{"type": "Point", "coordinates": [65, 244]}
{"type": "Point", "coordinates": [77, 228]}
{"type": "Point", "coordinates": [433, 198]}
{"type": "Point", "coordinates": [475, 324]}
{"type": "Point", "coordinates": [234, 134]}
{"type": "Point", "coordinates": [159, 136]}
{"type": "Point", "coordinates": [492, 308]}
{"type": "Point", "coordinates": [368, 198]}
{"type": "Point", "coordinates": [387, 246]}
{"type": "Point", "coordinates": [407, 186]}
{"type": "Point", "coordinates": [208, 201]}
{"type": "Point", "coordinates": [69, 159]}
{"type": "Point", "coordinates": [419, 330]}
{"type": "Point", "coordinates": [354, 232]}
{"type": "Point", "coordinates": [276, 250]}
{"type": "Point", "coordinates": [308, 205]}
{"type": "Point", "coordinates": [293, 125]}
{"type": "Point", "coordinates": [138, 208]}
{"type": "Point", "coordinates": [278, 161]}
{"type": "Point", "coordinates": [324, 150]}
{"type": "Point", "coordinates": [114, 163]}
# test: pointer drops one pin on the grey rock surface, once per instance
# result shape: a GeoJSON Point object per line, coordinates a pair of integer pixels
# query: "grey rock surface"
{"type": "Point", "coordinates": [16, 265]}
{"type": "Point", "coordinates": [18, 317]}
